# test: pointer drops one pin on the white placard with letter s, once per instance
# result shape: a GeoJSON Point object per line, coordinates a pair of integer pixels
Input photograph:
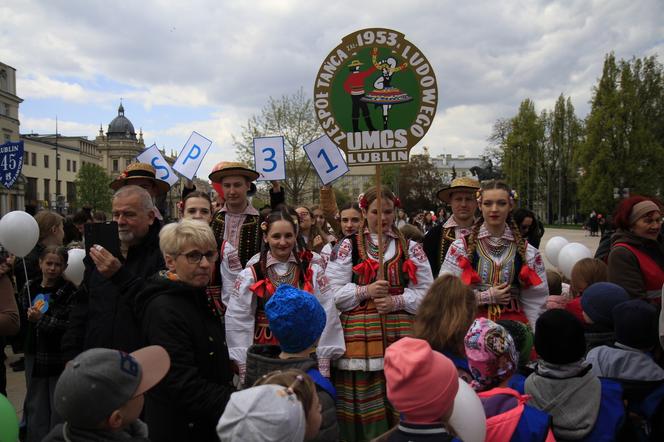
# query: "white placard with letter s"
{"type": "Point", "coordinates": [326, 158]}
{"type": "Point", "coordinates": [270, 158]}
{"type": "Point", "coordinates": [153, 157]}
{"type": "Point", "coordinates": [192, 155]}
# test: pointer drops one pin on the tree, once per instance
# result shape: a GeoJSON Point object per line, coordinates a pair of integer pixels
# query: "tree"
{"type": "Point", "coordinates": [624, 145]}
{"type": "Point", "coordinates": [291, 116]}
{"type": "Point", "coordinates": [92, 188]}
{"type": "Point", "coordinates": [418, 183]}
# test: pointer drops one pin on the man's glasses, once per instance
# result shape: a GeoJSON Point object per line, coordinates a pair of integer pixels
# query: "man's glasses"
{"type": "Point", "coordinates": [195, 257]}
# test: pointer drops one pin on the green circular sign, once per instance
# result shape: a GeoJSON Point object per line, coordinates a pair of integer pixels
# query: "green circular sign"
{"type": "Point", "coordinates": [375, 96]}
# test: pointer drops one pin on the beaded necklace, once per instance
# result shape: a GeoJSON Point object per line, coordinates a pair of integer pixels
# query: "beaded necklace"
{"type": "Point", "coordinates": [290, 277]}
{"type": "Point", "coordinates": [495, 246]}
{"type": "Point", "coordinates": [371, 248]}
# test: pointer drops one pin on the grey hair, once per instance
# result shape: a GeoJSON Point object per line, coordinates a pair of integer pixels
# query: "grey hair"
{"type": "Point", "coordinates": [131, 190]}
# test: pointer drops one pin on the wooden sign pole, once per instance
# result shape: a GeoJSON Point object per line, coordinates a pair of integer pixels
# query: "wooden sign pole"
{"type": "Point", "coordinates": [379, 227]}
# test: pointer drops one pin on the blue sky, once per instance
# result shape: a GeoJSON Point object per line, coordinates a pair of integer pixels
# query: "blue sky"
{"type": "Point", "coordinates": [209, 65]}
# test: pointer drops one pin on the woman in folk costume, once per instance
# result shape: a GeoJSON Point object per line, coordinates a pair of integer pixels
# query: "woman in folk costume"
{"type": "Point", "coordinates": [506, 273]}
{"type": "Point", "coordinates": [375, 313]}
{"type": "Point", "coordinates": [279, 263]}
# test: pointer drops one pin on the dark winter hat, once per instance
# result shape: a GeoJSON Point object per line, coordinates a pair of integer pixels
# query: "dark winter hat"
{"type": "Point", "coordinates": [559, 337]}
{"type": "Point", "coordinates": [522, 336]}
{"type": "Point", "coordinates": [635, 324]}
{"type": "Point", "coordinates": [599, 299]}
{"type": "Point", "coordinates": [296, 318]}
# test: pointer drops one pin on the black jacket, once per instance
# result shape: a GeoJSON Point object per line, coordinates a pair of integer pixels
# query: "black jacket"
{"type": "Point", "coordinates": [263, 359]}
{"type": "Point", "coordinates": [103, 314]}
{"type": "Point", "coordinates": [187, 404]}
{"type": "Point", "coordinates": [431, 245]}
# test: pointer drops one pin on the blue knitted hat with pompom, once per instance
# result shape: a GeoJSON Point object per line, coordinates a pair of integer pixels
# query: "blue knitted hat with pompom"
{"type": "Point", "coordinates": [296, 318]}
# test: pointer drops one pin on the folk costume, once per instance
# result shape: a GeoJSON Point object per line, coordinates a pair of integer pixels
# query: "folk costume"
{"type": "Point", "coordinates": [246, 323]}
{"type": "Point", "coordinates": [495, 261]}
{"type": "Point", "coordinates": [362, 407]}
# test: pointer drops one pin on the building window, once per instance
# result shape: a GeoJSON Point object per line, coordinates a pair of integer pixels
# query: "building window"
{"type": "Point", "coordinates": [68, 165]}
{"type": "Point", "coordinates": [47, 190]}
{"type": "Point", "coordinates": [3, 80]}
{"type": "Point", "coordinates": [58, 184]}
{"type": "Point", "coordinates": [3, 109]}
{"type": "Point", "coordinates": [57, 162]}
{"type": "Point", "coordinates": [31, 190]}
{"type": "Point", "coordinates": [73, 163]}
{"type": "Point", "coordinates": [46, 161]}
{"type": "Point", "coordinates": [26, 157]}
{"type": "Point", "coordinates": [34, 159]}
{"type": "Point", "coordinates": [115, 165]}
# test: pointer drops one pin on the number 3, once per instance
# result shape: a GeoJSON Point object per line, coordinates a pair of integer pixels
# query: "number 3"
{"type": "Point", "coordinates": [270, 159]}
{"type": "Point", "coordinates": [331, 167]}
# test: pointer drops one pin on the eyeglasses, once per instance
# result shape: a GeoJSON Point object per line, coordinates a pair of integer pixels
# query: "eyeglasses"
{"type": "Point", "coordinates": [195, 256]}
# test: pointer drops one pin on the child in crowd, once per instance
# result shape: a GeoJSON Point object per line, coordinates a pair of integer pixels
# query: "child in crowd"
{"type": "Point", "coordinates": [635, 324]}
{"type": "Point", "coordinates": [556, 297]}
{"type": "Point", "coordinates": [597, 304]}
{"type": "Point", "coordinates": [585, 273]}
{"type": "Point", "coordinates": [45, 306]}
{"type": "Point", "coordinates": [564, 385]}
{"type": "Point", "coordinates": [443, 319]}
{"type": "Point", "coordinates": [493, 359]}
{"type": "Point", "coordinates": [523, 339]}
{"type": "Point", "coordinates": [297, 320]}
{"type": "Point", "coordinates": [267, 412]}
{"type": "Point", "coordinates": [422, 385]}
{"type": "Point", "coordinates": [100, 394]}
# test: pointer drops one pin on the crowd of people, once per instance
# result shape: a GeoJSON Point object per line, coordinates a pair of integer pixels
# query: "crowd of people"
{"type": "Point", "coordinates": [335, 323]}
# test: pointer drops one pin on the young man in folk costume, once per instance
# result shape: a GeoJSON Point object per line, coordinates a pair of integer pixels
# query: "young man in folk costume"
{"type": "Point", "coordinates": [375, 313]}
{"type": "Point", "coordinates": [506, 273]}
{"type": "Point", "coordinates": [460, 195]}
{"type": "Point", "coordinates": [280, 263]}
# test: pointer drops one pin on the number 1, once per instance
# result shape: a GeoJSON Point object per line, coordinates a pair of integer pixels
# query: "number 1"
{"type": "Point", "coordinates": [330, 166]}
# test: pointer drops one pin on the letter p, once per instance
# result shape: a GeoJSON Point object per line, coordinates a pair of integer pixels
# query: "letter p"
{"type": "Point", "coordinates": [191, 154]}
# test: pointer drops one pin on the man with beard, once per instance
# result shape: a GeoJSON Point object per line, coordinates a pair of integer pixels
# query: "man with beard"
{"type": "Point", "coordinates": [104, 312]}
{"type": "Point", "coordinates": [460, 195]}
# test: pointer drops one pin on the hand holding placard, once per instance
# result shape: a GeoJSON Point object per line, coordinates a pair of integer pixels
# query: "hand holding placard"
{"type": "Point", "coordinates": [270, 158]}
{"type": "Point", "coordinates": [326, 158]}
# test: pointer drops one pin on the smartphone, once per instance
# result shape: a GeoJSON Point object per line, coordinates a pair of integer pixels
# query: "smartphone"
{"type": "Point", "coordinates": [104, 234]}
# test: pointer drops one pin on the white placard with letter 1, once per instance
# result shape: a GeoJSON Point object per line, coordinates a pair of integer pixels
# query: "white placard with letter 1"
{"type": "Point", "coordinates": [270, 158]}
{"type": "Point", "coordinates": [192, 155]}
{"type": "Point", "coordinates": [326, 158]}
{"type": "Point", "coordinates": [153, 157]}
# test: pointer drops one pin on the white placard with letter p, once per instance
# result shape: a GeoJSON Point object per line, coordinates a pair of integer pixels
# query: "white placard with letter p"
{"type": "Point", "coordinates": [270, 158]}
{"type": "Point", "coordinates": [153, 157]}
{"type": "Point", "coordinates": [326, 158]}
{"type": "Point", "coordinates": [192, 155]}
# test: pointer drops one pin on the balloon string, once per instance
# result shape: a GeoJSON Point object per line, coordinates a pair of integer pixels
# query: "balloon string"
{"type": "Point", "coordinates": [27, 282]}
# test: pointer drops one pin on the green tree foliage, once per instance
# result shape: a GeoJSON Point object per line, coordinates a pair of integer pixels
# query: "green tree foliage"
{"type": "Point", "coordinates": [291, 116]}
{"type": "Point", "coordinates": [417, 184]}
{"type": "Point", "coordinates": [92, 188]}
{"type": "Point", "coordinates": [624, 133]}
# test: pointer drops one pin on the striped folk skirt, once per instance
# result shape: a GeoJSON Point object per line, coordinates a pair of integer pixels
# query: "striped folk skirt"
{"type": "Point", "coordinates": [363, 411]}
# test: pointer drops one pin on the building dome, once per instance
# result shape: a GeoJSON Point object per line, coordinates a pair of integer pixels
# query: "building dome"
{"type": "Point", "coordinates": [121, 127]}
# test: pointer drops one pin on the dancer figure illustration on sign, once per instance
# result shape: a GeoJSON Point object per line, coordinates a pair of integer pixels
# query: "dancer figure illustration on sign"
{"type": "Point", "coordinates": [384, 94]}
{"type": "Point", "coordinates": [354, 85]}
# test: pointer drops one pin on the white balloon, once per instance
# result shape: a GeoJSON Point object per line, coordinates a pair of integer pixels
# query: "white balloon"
{"type": "Point", "coordinates": [570, 255]}
{"type": "Point", "coordinates": [75, 267]}
{"type": "Point", "coordinates": [19, 233]}
{"type": "Point", "coordinates": [553, 248]}
{"type": "Point", "coordinates": [468, 418]}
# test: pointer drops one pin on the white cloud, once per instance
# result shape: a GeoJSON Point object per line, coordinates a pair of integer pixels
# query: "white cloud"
{"type": "Point", "coordinates": [67, 128]}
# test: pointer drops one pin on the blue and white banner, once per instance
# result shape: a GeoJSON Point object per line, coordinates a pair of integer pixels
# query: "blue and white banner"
{"type": "Point", "coordinates": [270, 158]}
{"type": "Point", "coordinates": [11, 162]}
{"type": "Point", "coordinates": [327, 159]}
{"type": "Point", "coordinates": [152, 156]}
{"type": "Point", "coordinates": [192, 155]}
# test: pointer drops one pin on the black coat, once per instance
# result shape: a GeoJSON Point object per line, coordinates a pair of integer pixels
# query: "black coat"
{"type": "Point", "coordinates": [431, 245]}
{"type": "Point", "coordinates": [187, 404]}
{"type": "Point", "coordinates": [103, 314]}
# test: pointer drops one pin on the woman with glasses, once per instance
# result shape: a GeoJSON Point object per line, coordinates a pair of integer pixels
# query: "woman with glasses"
{"type": "Point", "coordinates": [280, 263]}
{"type": "Point", "coordinates": [176, 313]}
{"type": "Point", "coordinates": [636, 260]}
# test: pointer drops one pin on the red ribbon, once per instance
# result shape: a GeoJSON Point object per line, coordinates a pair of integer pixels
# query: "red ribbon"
{"type": "Point", "coordinates": [308, 281]}
{"type": "Point", "coordinates": [529, 277]}
{"type": "Point", "coordinates": [262, 287]}
{"type": "Point", "coordinates": [367, 270]}
{"type": "Point", "coordinates": [468, 274]}
{"type": "Point", "coordinates": [410, 269]}
{"type": "Point", "coordinates": [306, 255]}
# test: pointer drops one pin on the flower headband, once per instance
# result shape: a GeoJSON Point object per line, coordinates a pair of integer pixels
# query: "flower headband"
{"type": "Point", "coordinates": [513, 196]}
{"type": "Point", "coordinates": [364, 203]}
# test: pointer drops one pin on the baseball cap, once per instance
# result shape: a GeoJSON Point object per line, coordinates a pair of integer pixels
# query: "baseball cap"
{"type": "Point", "coordinates": [100, 380]}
